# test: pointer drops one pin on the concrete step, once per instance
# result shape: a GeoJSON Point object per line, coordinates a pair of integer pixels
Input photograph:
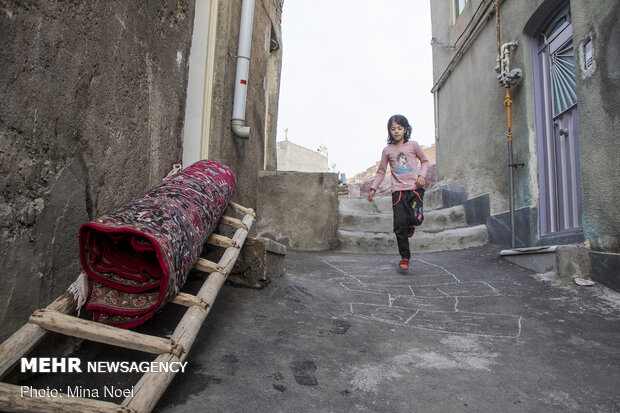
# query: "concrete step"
{"type": "Point", "coordinates": [364, 222]}
{"type": "Point", "coordinates": [422, 241]}
{"type": "Point", "coordinates": [433, 199]}
{"type": "Point", "coordinates": [383, 204]}
{"type": "Point", "coordinates": [433, 220]}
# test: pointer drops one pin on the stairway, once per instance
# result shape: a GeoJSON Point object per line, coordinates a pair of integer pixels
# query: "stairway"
{"type": "Point", "coordinates": [367, 226]}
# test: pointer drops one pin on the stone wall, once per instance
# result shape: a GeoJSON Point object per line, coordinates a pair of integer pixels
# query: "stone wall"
{"type": "Point", "coordinates": [90, 118]}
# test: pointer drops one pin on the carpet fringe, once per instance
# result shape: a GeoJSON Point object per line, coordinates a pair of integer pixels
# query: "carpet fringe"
{"type": "Point", "coordinates": [79, 290]}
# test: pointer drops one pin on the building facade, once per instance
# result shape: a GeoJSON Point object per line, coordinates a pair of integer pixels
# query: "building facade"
{"type": "Point", "coordinates": [560, 60]}
{"type": "Point", "coordinates": [100, 100]}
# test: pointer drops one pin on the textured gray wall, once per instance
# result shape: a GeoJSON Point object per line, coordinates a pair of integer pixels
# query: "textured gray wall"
{"type": "Point", "coordinates": [246, 156]}
{"type": "Point", "coordinates": [599, 122]}
{"type": "Point", "coordinates": [471, 138]}
{"type": "Point", "coordinates": [298, 209]}
{"type": "Point", "coordinates": [471, 141]}
{"type": "Point", "coordinates": [90, 117]}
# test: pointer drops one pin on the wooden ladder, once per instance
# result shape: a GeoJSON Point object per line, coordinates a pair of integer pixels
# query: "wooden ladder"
{"type": "Point", "coordinates": [149, 389]}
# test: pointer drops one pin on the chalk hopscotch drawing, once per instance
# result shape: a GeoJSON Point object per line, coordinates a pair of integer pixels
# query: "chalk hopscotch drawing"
{"type": "Point", "coordinates": [432, 303]}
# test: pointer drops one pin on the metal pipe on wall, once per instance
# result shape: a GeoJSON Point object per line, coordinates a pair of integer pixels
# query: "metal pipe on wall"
{"type": "Point", "coordinates": [507, 78]}
{"type": "Point", "coordinates": [508, 103]}
{"type": "Point", "coordinates": [502, 59]}
{"type": "Point", "coordinates": [243, 69]}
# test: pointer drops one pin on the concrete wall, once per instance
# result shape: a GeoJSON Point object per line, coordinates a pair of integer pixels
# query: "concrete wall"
{"type": "Point", "coordinates": [471, 138]}
{"type": "Point", "coordinates": [298, 209]}
{"type": "Point", "coordinates": [292, 157]}
{"type": "Point", "coordinates": [246, 157]}
{"type": "Point", "coordinates": [472, 119]}
{"type": "Point", "coordinates": [599, 122]}
{"type": "Point", "coordinates": [92, 117]}
{"type": "Point", "coordinates": [93, 98]}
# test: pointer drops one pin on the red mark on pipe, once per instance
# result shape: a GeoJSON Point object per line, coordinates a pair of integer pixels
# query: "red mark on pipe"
{"type": "Point", "coordinates": [244, 82]}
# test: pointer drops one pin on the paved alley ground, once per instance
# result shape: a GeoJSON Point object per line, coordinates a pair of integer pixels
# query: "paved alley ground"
{"type": "Point", "coordinates": [462, 331]}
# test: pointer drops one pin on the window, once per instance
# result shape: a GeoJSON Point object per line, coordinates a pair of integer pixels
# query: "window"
{"type": "Point", "coordinates": [563, 79]}
{"type": "Point", "coordinates": [457, 8]}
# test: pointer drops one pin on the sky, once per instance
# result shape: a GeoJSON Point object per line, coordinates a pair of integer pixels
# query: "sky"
{"type": "Point", "coordinates": [347, 66]}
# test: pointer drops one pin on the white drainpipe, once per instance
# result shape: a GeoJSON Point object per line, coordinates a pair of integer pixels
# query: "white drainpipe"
{"type": "Point", "coordinates": [243, 68]}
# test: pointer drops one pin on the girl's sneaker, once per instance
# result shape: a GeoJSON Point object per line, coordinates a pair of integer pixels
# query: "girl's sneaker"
{"type": "Point", "coordinates": [404, 264]}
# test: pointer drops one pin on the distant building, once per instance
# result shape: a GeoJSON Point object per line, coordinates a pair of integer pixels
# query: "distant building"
{"type": "Point", "coordinates": [429, 152]}
{"type": "Point", "coordinates": [292, 157]}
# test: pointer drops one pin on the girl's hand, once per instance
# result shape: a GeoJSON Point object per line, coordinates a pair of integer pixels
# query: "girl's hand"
{"type": "Point", "coordinates": [370, 195]}
{"type": "Point", "coordinates": [421, 181]}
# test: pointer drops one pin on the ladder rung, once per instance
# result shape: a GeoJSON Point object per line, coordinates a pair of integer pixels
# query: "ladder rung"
{"type": "Point", "coordinates": [29, 335]}
{"type": "Point", "coordinates": [152, 385]}
{"type": "Point", "coordinates": [248, 211]}
{"type": "Point", "coordinates": [90, 330]}
{"type": "Point", "coordinates": [232, 222]}
{"type": "Point", "coordinates": [222, 241]}
{"type": "Point", "coordinates": [207, 266]}
{"type": "Point", "coordinates": [189, 300]}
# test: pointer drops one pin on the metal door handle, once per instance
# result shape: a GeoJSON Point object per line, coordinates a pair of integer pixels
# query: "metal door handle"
{"type": "Point", "coordinates": [562, 132]}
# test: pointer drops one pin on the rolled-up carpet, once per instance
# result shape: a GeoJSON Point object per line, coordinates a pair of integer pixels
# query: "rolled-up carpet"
{"type": "Point", "coordinates": [138, 257]}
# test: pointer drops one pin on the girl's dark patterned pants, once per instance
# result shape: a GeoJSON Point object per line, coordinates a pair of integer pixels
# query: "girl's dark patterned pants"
{"type": "Point", "coordinates": [407, 209]}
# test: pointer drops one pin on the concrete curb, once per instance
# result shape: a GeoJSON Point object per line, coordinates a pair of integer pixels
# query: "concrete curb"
{"type": "Point", "coordinates": [433, 220]}
{"type": "Point", "coordinates": [385, 242]}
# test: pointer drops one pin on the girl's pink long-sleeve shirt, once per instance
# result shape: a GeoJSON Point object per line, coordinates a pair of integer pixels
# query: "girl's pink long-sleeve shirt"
{"type": "Point", "coordinates": [403, 165]}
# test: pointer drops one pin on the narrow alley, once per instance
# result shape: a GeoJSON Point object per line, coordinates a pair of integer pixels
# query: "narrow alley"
{"type": "Point", "coordinates": [462, 331]}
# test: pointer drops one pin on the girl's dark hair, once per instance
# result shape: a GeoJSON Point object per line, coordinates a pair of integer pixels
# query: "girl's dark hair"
{"type": "Point", "coordinates": [402, 121]}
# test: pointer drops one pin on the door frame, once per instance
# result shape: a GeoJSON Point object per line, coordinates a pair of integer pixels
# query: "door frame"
{"type": "Point", "coordinates": [197, 123]}
{"type": "Point", "coordinates": [545, 127]}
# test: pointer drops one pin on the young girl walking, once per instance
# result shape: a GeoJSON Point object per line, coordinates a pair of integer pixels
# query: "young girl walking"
{"type": "Point", "coordinates": [407, 182]}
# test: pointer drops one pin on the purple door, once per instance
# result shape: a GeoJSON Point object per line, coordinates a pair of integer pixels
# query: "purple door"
{"type": "Point", "coordinates": [557, 128]}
